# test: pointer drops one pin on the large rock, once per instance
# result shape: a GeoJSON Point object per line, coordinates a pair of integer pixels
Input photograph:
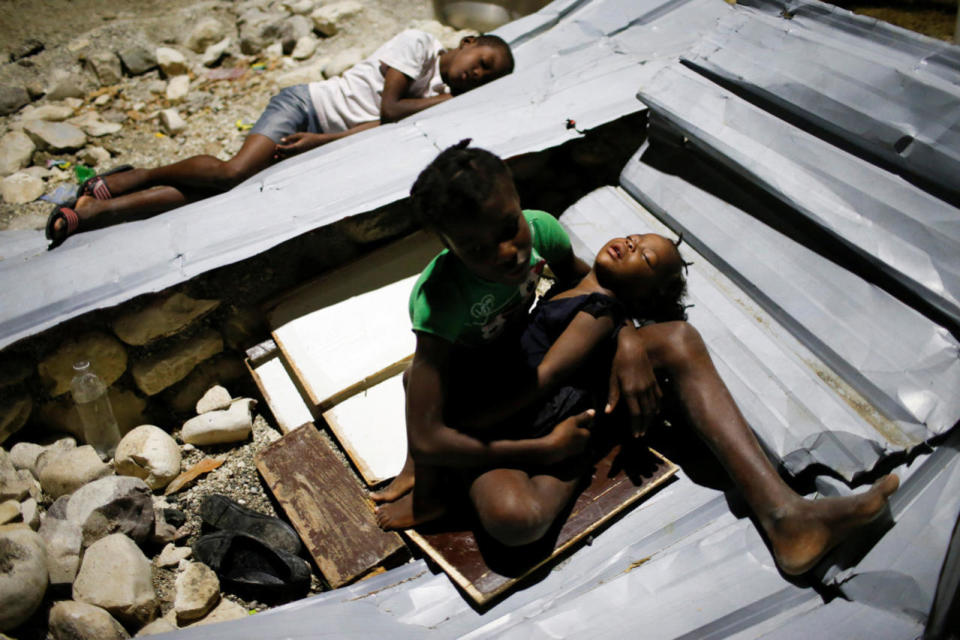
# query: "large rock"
{"type": "Point", "coordinates": [163, 317]}
{"type": "Point", "coordinates": [12, 97]}
{"type": "Point", "coordinates": [72, 620]}
{"type": "Point", "coordinates": [258, 29]}
{"type": "Point", "coordinates": [55, 136]}
{"type": "Point", "coordinates": [21, 188]}
{"type": "Point", "coordinates": [304, 48]}
{"type": "Point", "coordinates": [67, 83]}
{"type": "Point", "coordinates": [292, 29]}
{"type": "Point", "coordinates": [217, 427]}
{"type": "Point", "coordinates": [178, 88]}
{"type": "Point", "coordinates": [216, 51]}
{"type": "Point", "coordinates": [330, 19]}
{"type": "Point", "coordinates": [198, 591]}
{"type": "Point", "coordinates": [106, 66]}
{"type": "Point", "coordinates": [16, 150]}
{"type": "Point", "coordinates": [204, 33]}
{"type": "Point", "coordinates": [94, 156]}
{"type": "Point", "coordinates": [63, 540]}
{"type": "Point", "coordinates": [9, 511]}
{"type": "Point", "coordinates": [137, 58]}
{"type": "Point", "coordinates": [15, 483]}
{"type": "Point", "coordinates": [24, 455]}
{"type": "Point", "coordinates": [171, 555]}
{"type": "Point", "coordinates": [226, 610]}
{"type": "Point", "coordinates": [51, 451]}
{"type": "Point", "coordinates": [156, 373]}
{"type": "Point", "coordinates": [115, 504]}
{"type": "Point", "coordinates": [107, 358]}
{"type": "Point", "coordinates": [14, 413]}
{"type": "Point", "coordinates": [95, 126]}
{"type": "Point", "coordinates": [116, 576]}
{"type": "Point", "coordinates": [160, 625]}
{"type": "Point", "coordinates": [148, 453]}
{"type": "Point", "coordinates": [172, 62]}
{"type": "Point", "coordinates": [72, 469]}
{"type": "Point", "coordinates": [23, 575]}
{"type": "Point", "coordinates": [61, 414]}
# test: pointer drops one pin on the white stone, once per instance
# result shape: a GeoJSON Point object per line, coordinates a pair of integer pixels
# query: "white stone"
{"type": "Point", "coordinates": [23, 575]}
{"type": "Point", "coordinates": [111, 505]}
{"type": "Point", "coordinates": [72, 469]}
{"type": "Point", "coordinates": [24, 455]}
{"type": "Point", "coordinates": [55, 136]}
{"type": "Point", "coordinates": [214, 399]}
{"type": "Point", "coordinates": [172, 555]}
{"type": "Point", "coordinates": [149, 453]}
{"type": "Point", "coordinates": [94, 125]}
{"type": "Point", "coordinates": [312, 72]}
{"type": "Point", "coordinates": [177, 88]}
{"type": "Point", "coordinates": [48, 112]}
{"type": "Point", "coordinates": [274, 51]}
{"type": "Point", "coordinates": [102, 100]}
{"type": "Point", "coordinates": [204, 33]}
{"type": "Point", "coordinates": [226, 610]}
{"type": "Point", "coordinates": [93, 156]}
{"type": "Point", "coordinates": [72, 620]}
{"type": "Point", "coordinates": [53, 450]}
{"type": "Point", "coordinates": [171, 122]}
{"type": "Point", "coordinates": [172, 62]}
{"type": "Point", "coordinates": [14, 483]}
{"type": "Point", "coordinates": [197, 592]}
{"type": "Point", "coordinates": [304, 48]}
{"type": "Point", "coordinates": [217, 427]}
{"type": "Point", "coordinates": [16, 150]}
{"type": "Point", "coordinates": [329, 19]}
{"type": "Point", "coordinates": [9, 510]}
{"type": "Point", "coordinates": [299, 7]}
{"type": "Point", "coordinates": [64, 542]}
{"type": "Point", "coordinates": [117, 576]}
{"type": "Point", "coordinates": [343, 61]}
{"type": "Point", "coordinates": [213, 53]}
{"type": "Point", "coordinates": [20, 188]}
{"type": "Point", "coordinates": [30, 512]}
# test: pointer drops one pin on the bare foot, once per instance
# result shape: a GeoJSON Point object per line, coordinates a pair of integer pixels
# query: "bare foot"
{"type": "Point", "coordinates": [401, 485]}
{"type": "Point", "coordinates": [402, 514]}
{"type": "Point", "coordinates": [60, 225]}
{"type": "Point", "coordinates": [811, 528]}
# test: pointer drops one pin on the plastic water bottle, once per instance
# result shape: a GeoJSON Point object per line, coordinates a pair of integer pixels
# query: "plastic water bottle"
{"type": "Point", "coordinates": [90, 395]}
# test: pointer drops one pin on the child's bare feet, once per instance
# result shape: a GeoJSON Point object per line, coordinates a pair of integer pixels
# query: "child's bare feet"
{"type": "Point", "coordinates": [399, 486]}
{"type": "Point", "coordinates": [58, 231]}
{"type": "Point", "coordinates": [811, 528]}
{"type": "Point", "coordinates": [402, 514]}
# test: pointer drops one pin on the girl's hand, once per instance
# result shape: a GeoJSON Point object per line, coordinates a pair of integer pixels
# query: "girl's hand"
{"type": "Point", "coordinates": [568, 438]}
{"type": "Point", "coordinates": [632, 377]}
{"type": "Point", "coordinates": [297, 143]}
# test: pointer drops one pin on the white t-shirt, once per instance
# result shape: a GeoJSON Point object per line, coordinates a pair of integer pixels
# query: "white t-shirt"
{"type": "Point", "coordinates": [354, 98]}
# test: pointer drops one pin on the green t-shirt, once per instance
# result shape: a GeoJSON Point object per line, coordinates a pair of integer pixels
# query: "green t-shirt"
{"type": "Point", "coordinates": [450, 302]}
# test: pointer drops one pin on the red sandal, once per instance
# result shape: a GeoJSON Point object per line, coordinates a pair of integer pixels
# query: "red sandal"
{"type": "Point", "coordinates": [97, 186]}
{"type": "Point", "coordinates": [69, 216]}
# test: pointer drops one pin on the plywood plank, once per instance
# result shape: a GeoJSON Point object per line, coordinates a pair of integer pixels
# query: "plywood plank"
{"type": "Point", "coordinates": [371, 429]}
{"type": "Point", "coordinates": [485, 569]}
{"type": "Point", "coordinates": [326, 504]}
{"type": "Point", "coordinates": [280, 392]}
{"type": "Point", "coordinates": [342, 349]}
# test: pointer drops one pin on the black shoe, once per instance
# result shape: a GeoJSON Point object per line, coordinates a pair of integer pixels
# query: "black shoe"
{"type": "Point", "coordinates": [221, 512]}
{"type": "Point", "coordinates": [249, 567]}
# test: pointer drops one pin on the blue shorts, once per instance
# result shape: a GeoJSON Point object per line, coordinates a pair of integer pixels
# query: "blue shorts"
{"type": "Point", "coordinates": [288, 112]}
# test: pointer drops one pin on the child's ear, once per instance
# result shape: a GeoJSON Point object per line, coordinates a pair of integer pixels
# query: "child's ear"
{"type": "Point", "coordinates": [467, 41]}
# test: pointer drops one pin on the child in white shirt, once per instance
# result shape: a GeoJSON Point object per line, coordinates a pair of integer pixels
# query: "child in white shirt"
{"type": "Point", "coordinates": [407, 74]}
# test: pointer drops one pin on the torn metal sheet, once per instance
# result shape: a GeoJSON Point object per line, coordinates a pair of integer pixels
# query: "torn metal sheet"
{"type": "Point", "coordinates": [879, 103]}
{"type": "Point", "coordinates": [842, 619]}
{"type": "Point", "coordinates": [908, 234]}
{"type": "Point", "coordinates": [801, 410]}
{"type": "Point", "coordinates": [900, 361]}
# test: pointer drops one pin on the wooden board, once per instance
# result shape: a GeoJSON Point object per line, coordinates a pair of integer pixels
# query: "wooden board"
{"type": "Point", "coordinates": [485, 569]}
{"type": "Point", "coordinates": [326, 504]}
{"type": "Point", "coordinates": [280, 392]}
{"type": "Point", "coordinates": [337, 351]}
{"type": "Point", "coordinates": [371, 429]}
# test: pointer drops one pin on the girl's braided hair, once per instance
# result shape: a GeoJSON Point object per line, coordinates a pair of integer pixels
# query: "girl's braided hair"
{"type": "Point", "coordinates": [455, 185]}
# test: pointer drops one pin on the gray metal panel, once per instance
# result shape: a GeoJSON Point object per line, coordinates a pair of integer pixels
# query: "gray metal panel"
{"type": "Point", "coordinates": [801, 410]}
{"type": "Point", "coordinates": [910, 235]}
{"type": "Point", "coordinates": [867, 97]}
{"type": "Point", "coordinates": [842, 619]}
{"type": "Point", "coordinates": [903, 363]}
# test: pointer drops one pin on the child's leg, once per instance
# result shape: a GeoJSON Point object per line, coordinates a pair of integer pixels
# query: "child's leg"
{"type": "Point", "coordinates": [800, 531]}
{"type": "Point", "coordinates": [516, 508]}
{"type": "Point", "coordinates": [399, 486]}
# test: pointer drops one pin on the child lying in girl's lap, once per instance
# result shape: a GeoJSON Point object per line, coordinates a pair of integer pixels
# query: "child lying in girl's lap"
{"type": "Point", "coordinates": [467, 197]}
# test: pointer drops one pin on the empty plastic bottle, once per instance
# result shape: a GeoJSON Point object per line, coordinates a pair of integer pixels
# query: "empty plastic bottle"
{"type": "Point", "coordinates": [90, 395]}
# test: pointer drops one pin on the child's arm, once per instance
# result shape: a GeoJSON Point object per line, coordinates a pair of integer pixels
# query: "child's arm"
{"type": "Point", "coordinates": [393, 105]}
{"type": "Point", "coordinates": [632, 377]}
{"type": "Point", "coordinates": [432, 442]}
{"type": "Point", "coordinates": [584, 333]}
{"type": "Point", "coordinates": [303, 141]}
